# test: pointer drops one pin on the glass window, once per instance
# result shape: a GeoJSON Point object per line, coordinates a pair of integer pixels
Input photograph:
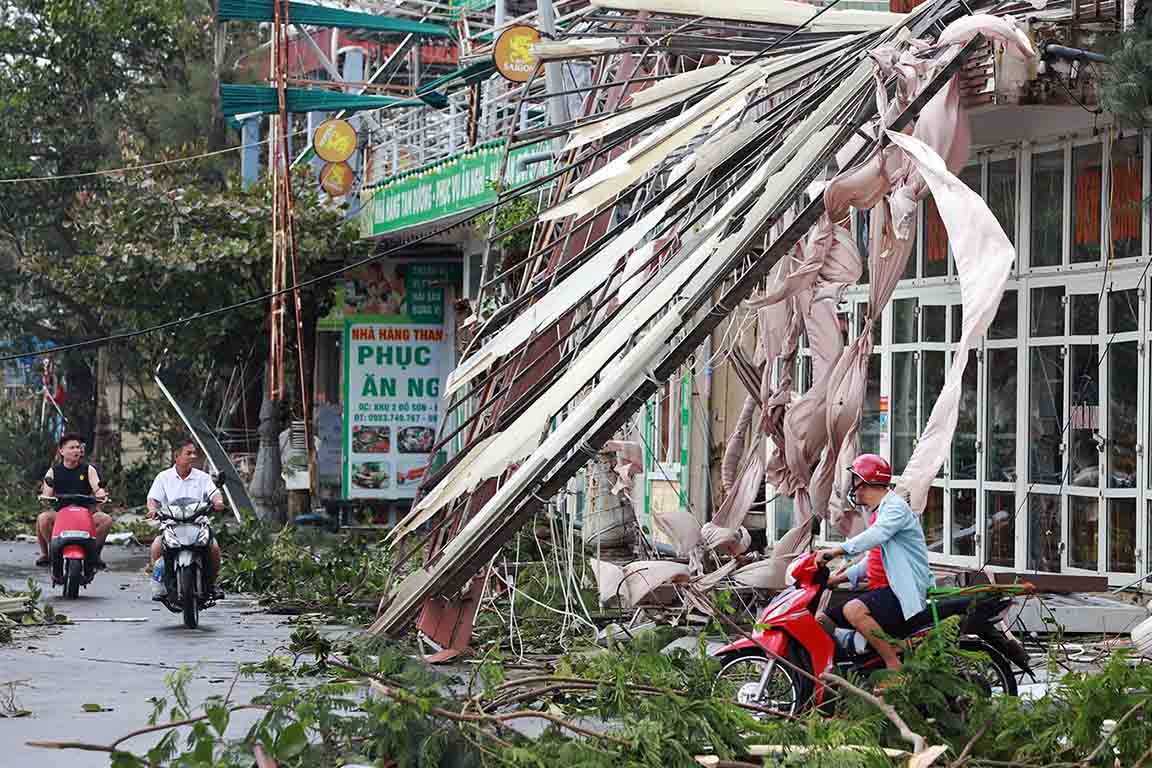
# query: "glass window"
{"type": "Point", "coordinates": [1048, 208]}
{"type": "Point", "coordinates": [784, 510]}
{"type": "Point", "coordinates": [1123, 362]}
{"type": "Point", "coordinates": [932, 368]}
{"type": "Point", "coordinates": [804, 380]}
{"type": "Point", "coordinates": [1002, 383]}
{"type": "Point", "coordinates": [1085, 314]}
{"type": "Point", "coordinates": [964, 521]}
{"type": "Point", "coordinates": [1002, 194]}
{"type": "Point", "coordinates": [971, 177]}
{"type": "Point", "coordinates": [1048, 311]}
{"type": "Point", "coordinates": [904, 313]}
{"type": "Point", "coordinates": [904, 426]}
{"type": "Point", "coordinates": [957, 323]}
{"type": "Point", "coordinates": [1123, 311]}
{"type": "Point", "coordinates": [964, 441]}
{"type": "Point", "coordinates": [1000, 530]}
{"type": "Point", "coordinates": [935, 249]}
{"type": "Point", "coordinates": [1084, 400]}
{"type": "Point", "coordinates": [933, 519]}
{"type": "Point", "coordinates": [871, 426]}
{"type": "Point", "coordinates": [862, 224]}
{"type": "Point", "coordinates": [1083, 520]}
{"type": "Point", "coordinates": [1044, 532]}
{"type": "Point", "coordinates": [861, 313]}
{"type": "Point", "coordinates": [1121, 535]}
{"type": "Point", "coordinates": [1046, 414]}
{"type": "Point", "coordinates": [1126, 194]}
{"type": "Point", "coordinates": [1087, 168]}
{"type": "Point", "coordinates": [935, 322]}
{"type": "Point", "coordinates": [1004, 324]}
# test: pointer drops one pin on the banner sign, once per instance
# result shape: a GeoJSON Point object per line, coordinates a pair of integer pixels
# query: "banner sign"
{"type": "Point", "coordinates": [457, 185]}
{"type": "Point", "coordinates": [392, 385]}
{"type": "Point", "coordinates": [396, 292]}
{"type": "Point", "coordinates": [396, 352]}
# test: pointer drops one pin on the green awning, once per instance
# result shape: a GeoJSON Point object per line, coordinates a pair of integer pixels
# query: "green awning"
{"type": "Point", "coordinates": [323, 16]}
{"type": "Point", "coordinates": [244, 99]}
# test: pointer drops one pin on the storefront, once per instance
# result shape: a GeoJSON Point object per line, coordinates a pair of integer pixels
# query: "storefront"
{"type": "Point", "coordinates": [1049, 469]}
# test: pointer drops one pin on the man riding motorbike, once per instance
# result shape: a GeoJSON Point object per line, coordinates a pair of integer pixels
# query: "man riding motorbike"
{"type": "Point", "coordinates": [71, 476]}
{"type": "Point", "coordinates": [182, 481]}
{"type": "Point", "coordinates": [895, 568]}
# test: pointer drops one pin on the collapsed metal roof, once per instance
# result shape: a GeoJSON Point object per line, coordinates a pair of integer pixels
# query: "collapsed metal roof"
{"type": "Point", "coordinates": [694, 176]}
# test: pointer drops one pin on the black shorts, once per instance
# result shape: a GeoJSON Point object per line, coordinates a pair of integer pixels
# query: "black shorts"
{"type": "Point", "coordinates": [882, 604]}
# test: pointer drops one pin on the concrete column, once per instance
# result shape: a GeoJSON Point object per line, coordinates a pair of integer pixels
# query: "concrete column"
{"type": "Point", "coordinates": [250, 154]}
{"type": "Point", "coordinates": [267, 487]}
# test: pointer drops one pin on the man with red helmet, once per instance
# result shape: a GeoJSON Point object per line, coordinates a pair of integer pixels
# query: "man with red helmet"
{"type": "Point", "coordinates": [895, 568]}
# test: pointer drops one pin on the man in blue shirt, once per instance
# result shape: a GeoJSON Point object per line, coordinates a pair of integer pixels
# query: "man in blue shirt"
{"type": "Point", "coordinates": [896, 567]}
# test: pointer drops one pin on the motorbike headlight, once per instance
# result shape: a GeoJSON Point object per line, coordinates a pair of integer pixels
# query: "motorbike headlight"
{"type": "Point", "coordinates": [170, 539]}
{"type": "Point", "coordinates": [202, 537]}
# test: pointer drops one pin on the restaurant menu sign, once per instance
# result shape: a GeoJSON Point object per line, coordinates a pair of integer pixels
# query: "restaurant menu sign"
{"type": "Point", "coordinates": [396, 354]}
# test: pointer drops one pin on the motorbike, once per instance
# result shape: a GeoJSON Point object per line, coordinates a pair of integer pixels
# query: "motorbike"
{"type": "Point", "coordinates": [73, 550]}
{"type": "Point", "coordinates": [186, 539]}
{"type": "Point", "coordinates": [763, 667]}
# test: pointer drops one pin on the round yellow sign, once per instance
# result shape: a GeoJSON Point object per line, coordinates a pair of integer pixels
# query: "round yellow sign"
{"type": "Point", "coordinates": [334, 141]}
{"type": "Point", "coordinates": [513, 53]}
{"type": "Point", "coordinates": [336, 178]}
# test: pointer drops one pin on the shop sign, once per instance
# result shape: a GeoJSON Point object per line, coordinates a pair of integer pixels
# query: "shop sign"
{"type": "Point", "coordinates": [513, 53]}
{"type": "Point", "coordinates": [334, 140]}
{"type": "Point", "coordinates": [336, 179]}
{"type": "Point", "coordinates": [392, 379]}
{"type": "Point", "coordinates": [462, 183]}
{"type": "Point", "coordinates": [396, 352]}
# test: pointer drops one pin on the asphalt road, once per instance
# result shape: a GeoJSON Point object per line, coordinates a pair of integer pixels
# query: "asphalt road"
{"type": "Point", "coordinates": [117, 665]}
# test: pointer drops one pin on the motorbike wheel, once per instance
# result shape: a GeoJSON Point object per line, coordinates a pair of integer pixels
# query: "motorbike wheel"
{"type": "Point", "coordinates": [73, 575]}
{"type": "Point", "coordinates": [992, 674]}
{"type": "Point", "coordinates": [755, 680]}
{"type": "Point", "coordinates": [189, 601]}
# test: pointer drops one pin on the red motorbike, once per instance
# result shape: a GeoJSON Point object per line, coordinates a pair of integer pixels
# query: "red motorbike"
{"type": "Point", "coordinates": [777, 668]}
{"type": "Point", "coordinates": [74, 551]}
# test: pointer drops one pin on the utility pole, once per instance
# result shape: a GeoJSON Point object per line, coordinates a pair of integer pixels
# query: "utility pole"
{"type": "Point", "coordinates": [553, 71]}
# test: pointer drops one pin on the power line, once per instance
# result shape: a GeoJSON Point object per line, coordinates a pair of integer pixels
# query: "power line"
{"type": "Point", "coordinates": [140, 167]}
{"type": "Point", "coordinates": [125, 335]}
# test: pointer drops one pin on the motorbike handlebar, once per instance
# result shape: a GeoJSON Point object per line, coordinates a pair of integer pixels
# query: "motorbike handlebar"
{"type": "Point", "coordinates": [83, 499]}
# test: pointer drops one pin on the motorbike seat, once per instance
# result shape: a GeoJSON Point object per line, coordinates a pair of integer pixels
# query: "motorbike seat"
{"type": "Point", "coordinates": [945, 607]}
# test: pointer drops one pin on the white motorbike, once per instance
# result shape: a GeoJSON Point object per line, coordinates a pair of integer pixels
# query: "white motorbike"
{"type": "Point", "coordinates": [186, 541]}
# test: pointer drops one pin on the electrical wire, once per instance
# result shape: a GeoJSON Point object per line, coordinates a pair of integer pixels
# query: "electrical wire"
{"type": "Point", "coordinates": [125, 335]}
{"type": "Point", "coordinates": [142, 166]}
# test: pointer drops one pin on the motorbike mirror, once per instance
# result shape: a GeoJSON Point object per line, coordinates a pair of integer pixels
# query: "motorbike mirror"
{"type": "Point", "coordinates": [816, 522]}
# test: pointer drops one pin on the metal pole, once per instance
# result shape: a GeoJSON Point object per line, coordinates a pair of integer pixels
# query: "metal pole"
{"type": "Point", "coordinates": [553, 74]}
{"type": "Point", "coordinates": [354, 73]}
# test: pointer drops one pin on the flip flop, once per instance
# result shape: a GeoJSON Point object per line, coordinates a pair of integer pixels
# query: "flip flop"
{"type": "Point", "coordinates": [43, 562]}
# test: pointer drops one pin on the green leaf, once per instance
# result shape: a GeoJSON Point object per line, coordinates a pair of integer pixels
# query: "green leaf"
{"type": "Point", "coordinates": [291, 741]}
{"type": "Point", "coordinates": [96, 708]}
{"type": "Point", "coordinates": [218, 716]}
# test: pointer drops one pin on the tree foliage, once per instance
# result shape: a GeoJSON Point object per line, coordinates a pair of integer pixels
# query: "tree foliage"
{"type": "Point", "coordinates": [1126, 82]}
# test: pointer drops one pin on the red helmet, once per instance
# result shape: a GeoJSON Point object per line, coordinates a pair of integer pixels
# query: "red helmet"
{"type": "Point", "coordinates": [872, 469]}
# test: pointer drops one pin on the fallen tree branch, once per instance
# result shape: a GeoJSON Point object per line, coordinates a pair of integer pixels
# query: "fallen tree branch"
{"type": "Point", "coordinates": [916, 740]}
{"type": "Point", "coordinates": [405, 696]}
{"type": "Point", "coordinates": [959, 761]}
{"type": "Point", "coordinates": [115, 746]}
{"type": "Point", "coordinates": [1108, 738]}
